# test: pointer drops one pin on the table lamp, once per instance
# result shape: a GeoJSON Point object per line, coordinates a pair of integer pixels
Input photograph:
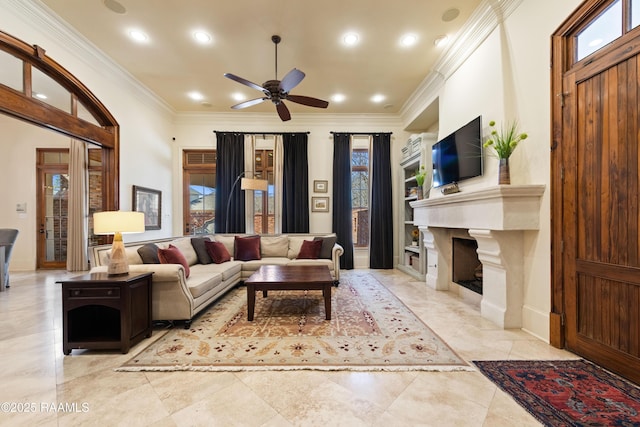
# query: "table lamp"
{"type": "Point", "coordinates": [117, 223]}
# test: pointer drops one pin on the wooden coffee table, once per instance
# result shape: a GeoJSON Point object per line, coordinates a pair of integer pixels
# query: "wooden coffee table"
{"type": "Point", "coordinates": [289, 278]}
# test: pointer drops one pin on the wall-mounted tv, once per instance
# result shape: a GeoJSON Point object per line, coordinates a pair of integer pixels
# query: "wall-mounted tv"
{"type": "Point", "coordinates": [458, 156]}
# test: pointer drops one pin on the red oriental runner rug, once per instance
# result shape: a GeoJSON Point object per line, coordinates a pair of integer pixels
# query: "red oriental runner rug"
{"type": "Point", "coordinates": [567, 392]}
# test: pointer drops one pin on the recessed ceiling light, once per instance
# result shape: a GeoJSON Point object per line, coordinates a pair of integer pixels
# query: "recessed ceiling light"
{"type": "Point", "coordinates": [196, 96]}
{"type": "Point", "coordinates": [238, 96]}
{"type": "Point", "coordinates": [138, 36]}
{"type": "Point", "coordinates": [338, 97]}
{"type": "Point", "coordinates": [39, 95]}
{"type": "Point", "coordinates": [408, 40]}
{"type": "Point", "coordinates": [202, 36]}
{"type": "Point", "coordinates": [377, 98]}
{"type": "Point", "coordinates": [351, 38]}
{"type": "Point", "coordinates": [441, 41]}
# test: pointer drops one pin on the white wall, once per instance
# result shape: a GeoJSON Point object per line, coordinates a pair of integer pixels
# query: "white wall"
{"type": "Point", "coordinates": [507, 77]}
{"type": "Point", "coordinates": [18, 143]}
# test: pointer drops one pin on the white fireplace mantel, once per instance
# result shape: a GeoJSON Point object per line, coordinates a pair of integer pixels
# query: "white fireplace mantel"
{"type": "Point", "coordinates": [496, 218]}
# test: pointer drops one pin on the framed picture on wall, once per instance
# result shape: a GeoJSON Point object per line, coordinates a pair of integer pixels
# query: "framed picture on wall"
{"type": "Point", "coordinates": [149, 202]}
{"type": "Point", "coordinates": [319, 204]}
{"type": "Point", "coordinates": [320, 186]}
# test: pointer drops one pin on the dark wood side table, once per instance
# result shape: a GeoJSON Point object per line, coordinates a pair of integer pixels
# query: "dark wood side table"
{"type": "Point", "coordinates": [105, 312]}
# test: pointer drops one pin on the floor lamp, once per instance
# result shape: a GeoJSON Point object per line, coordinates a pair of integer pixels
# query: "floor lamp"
{"type": "Point", "coordinates": [252, 184]}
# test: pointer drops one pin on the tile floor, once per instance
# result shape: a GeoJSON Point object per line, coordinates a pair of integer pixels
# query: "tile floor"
{"type": "Point", "coordinates": [83, 389]}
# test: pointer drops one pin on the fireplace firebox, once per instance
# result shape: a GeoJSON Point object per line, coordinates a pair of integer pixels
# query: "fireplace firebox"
{"type": "Point", "coordinates": [466, 266]}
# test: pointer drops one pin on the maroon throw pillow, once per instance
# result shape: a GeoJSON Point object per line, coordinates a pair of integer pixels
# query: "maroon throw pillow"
{"type": "Point", "coordinates": [217, 251]}
{"type": "Point", "coordinates": [247, 248]}
{"type": "Point", "coordinates": [310, 249]}
{"type": "Point", "coordinates": [172, 255]}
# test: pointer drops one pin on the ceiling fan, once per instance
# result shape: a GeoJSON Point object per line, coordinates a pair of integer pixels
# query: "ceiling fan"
{"type": "Point", "coordinates": [278, 90]}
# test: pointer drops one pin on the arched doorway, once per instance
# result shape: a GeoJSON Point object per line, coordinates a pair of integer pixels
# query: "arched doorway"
{"type": "Point", "coordinates": [73, 111]}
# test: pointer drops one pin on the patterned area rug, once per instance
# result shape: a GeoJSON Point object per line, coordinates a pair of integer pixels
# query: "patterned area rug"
{"type": "Point", "coordinates": [567, 392]}
{"type": "Point", "coordinates": [370, 329]}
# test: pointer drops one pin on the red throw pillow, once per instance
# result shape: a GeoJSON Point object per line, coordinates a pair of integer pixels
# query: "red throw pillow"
{"type": "Point", "coordinates": [247, 248]}
{"type": "Point", "coordinates": [218, 252]}
{"type": "Point", "coordinates": [310, 249]}
{"type": "Point", "coordinates": [172, 255]}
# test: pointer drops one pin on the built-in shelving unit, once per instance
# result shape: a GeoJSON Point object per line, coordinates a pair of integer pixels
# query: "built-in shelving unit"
{"type": "Point", "coordinates": [412, 259]}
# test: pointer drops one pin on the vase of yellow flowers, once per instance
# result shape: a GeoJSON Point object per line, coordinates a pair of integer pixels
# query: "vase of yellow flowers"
{"type": "Point", "coordinates": [504, 142]}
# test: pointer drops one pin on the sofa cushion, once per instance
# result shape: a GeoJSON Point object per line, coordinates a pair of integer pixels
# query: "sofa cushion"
{"type": "Point", "coordinates": [310, 249]}
{"type": "Point", "coordinates": [184, 244]}
{"type": "Point", "coordinates": [229, 270]}
{"type": "Point", "coordinates": [251, 266]}
{"type": "Point", "coordinates": [173, 255]}
{"type": "Point", "coordinates": [217, 252]}
{"type": "Point", "coordinates": [149, 253]}
{"type": "Point", "coordinates": [274, 246]}
{"type": "Point", "coordinates": [227, 241]}
{"type": "Point", "coordinates": [198, 244]}
{"type": "Point", "coordinates": [327, 245]}
{"type": "Point", "coordinates": [203, 281]}
{"type": "Point", "coordinates": [247, 248]}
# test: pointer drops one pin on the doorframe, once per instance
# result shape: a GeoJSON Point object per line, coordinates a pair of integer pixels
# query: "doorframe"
{"type": "Point", "coordinates": [22, 105]}
{"type": "Point", "coordinates": [562, 44]}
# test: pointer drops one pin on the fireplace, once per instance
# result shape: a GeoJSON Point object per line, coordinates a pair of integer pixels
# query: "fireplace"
{"type": "Point", "coordinates": [497, 220]}
{"type": "Point", "coordinates": [466, 266]}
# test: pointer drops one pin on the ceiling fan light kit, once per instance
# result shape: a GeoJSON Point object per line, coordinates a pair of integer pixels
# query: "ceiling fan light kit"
{"type": "Point", "coordinates": [278, 90]}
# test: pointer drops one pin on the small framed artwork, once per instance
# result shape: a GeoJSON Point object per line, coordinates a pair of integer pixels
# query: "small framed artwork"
{"type": "Point", "coordinates": [319, 204]}
{"type": "Point", "coordinates": [150, 202]}
{"type": "Point", "coordinates": [320, 186]}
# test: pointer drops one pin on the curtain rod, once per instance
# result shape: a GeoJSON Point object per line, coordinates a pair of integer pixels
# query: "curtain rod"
{"type": "Point", "coordinates": [259, 133]}
{"type": "Point", "coordinates": [364, 133]}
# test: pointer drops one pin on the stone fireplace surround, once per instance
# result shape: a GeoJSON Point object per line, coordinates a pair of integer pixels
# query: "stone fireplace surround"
{"type": "Point", "coordinates": [496, 217]}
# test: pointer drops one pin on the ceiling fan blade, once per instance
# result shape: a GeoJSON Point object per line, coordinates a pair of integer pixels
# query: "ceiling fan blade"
{"type": "Point", "coordinates": [291, 80]}
{"type": "Point", "coordinates": [307, 100]}
{"type": "Point", "coordinates": [249, 103]}
{"type": "Point", "coordinates": [283, 111]}
{"type": "Point", "coordinates": [244, 81]}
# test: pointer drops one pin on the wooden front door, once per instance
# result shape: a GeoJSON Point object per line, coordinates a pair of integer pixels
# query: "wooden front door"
{"type": "Point", "coordinates": [595, 215]}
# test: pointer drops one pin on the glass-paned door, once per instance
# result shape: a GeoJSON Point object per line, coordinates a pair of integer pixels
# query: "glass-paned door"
{"type": "Point", "coordinates": [199, 194]}
{"type": "Point", "coordinates": [53, 180]}
{"type": "Point", "coordinates": [264, 201]}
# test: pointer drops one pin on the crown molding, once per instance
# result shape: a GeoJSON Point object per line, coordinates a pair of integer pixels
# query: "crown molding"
{"type": "Point", "coordinates": [349, 122]}
{"type": "Point", "coordinates": [37, 15]}
{"type": "Point", "coordinates": [482, 22]}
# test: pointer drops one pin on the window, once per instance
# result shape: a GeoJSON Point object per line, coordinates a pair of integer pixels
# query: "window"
{"type": "Point", "coordinates": [199, 195]}
{"type": "Point", "coordinates": [360, 197]}
{"type": "Point", "coordinates": [604, 29]}
{"type": "Point", "coordinates": [264, 202]}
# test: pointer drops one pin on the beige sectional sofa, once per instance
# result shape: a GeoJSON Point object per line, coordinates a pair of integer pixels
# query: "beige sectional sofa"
{"type": "Point", "coordinates": [178, 297]}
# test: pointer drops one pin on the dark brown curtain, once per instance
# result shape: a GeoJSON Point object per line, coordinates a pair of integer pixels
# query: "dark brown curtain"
{"type": "Point", "coordinates": [342, 197]}
{"type": "Point", "coordinates": [295, 183]}
{"type": "Point", "coordinates": [229, 166]}
{"type": "Point", "coordinates": [381, 216]}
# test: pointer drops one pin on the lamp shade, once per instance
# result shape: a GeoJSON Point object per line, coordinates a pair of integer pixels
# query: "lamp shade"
{"type": "Point", "coordinates": [112, 222]}
{"type": "Point", "coordinates": [254, 184]}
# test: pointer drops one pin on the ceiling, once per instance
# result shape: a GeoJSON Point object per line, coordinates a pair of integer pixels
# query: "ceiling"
{"type": "Point", "coordinates": [172, 65]}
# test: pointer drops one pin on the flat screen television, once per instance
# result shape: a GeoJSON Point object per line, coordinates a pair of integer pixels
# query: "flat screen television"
{"type": "Point", "coordinates": [458, 156]}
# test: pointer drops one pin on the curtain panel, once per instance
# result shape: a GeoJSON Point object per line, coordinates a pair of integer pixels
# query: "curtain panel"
{"type": "Point", "coordinates": [341, 215]}
{"type": "Point", "coordinates": [381, 210]}
{"type": "Point", "coordinates": [230, 149]}
{"type": "Point", "coordinates": [295, 183]}
{"type": "Point", "coordinates": [78, 207]}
